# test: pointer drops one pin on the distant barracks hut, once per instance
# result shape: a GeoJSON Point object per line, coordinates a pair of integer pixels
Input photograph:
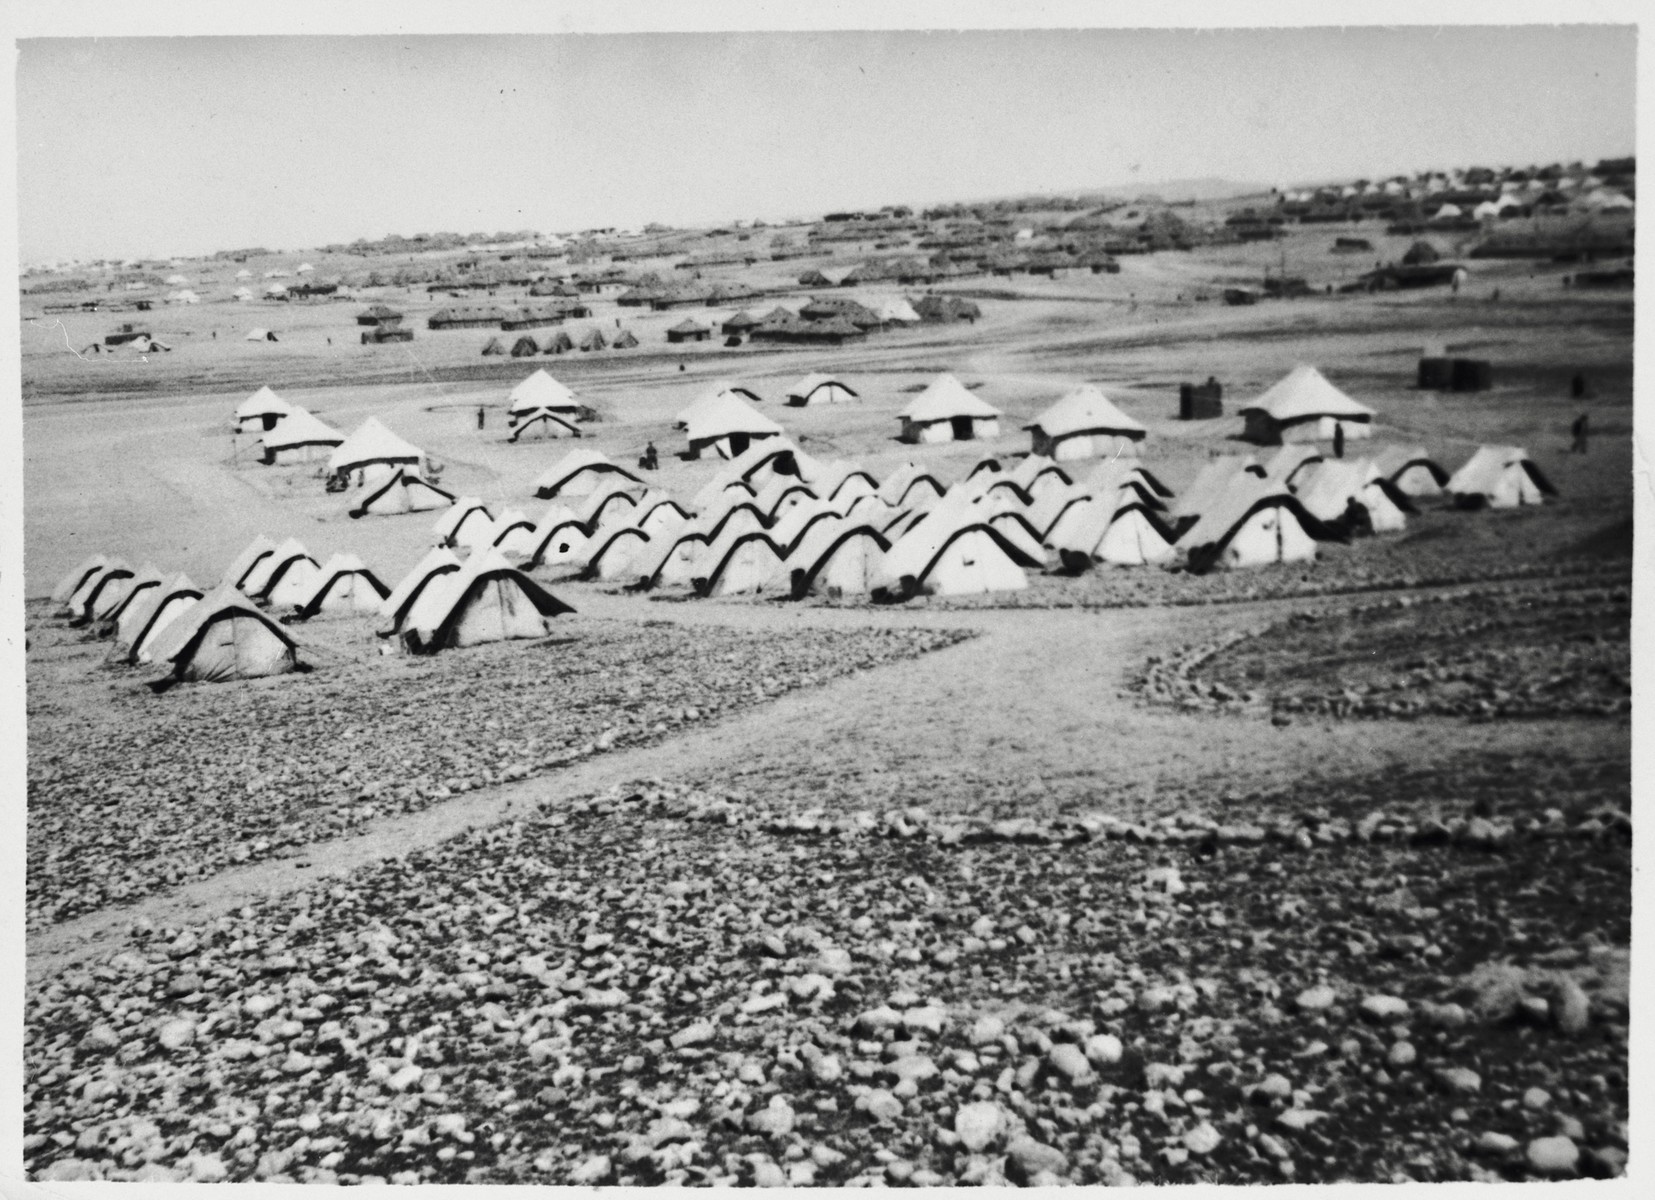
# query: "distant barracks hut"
{"type": "Point", "coordinates": [1085, 424]}
{"type": "Point", "coordinates": [530, 317]}
{"type": "Point", "coordinates": [386, 333]}
{"type": "Point", "coordinates": [1447, 374]}
{"type": "Point", "coordinates": [946, 310]}
{"type": "Point", "coordinates": [525, 347]}
{"type": "Point", "coordinates": [1200, 401]}
{"type": "Point", "coordinates": [1305, 407]}
{"type": "Point", "coordinates": [688, 330]}
{"type": "Point", "coordinates": [378, 314]}
{"type": "Point", "coordinates": [466, 317]}
{"type": "Point", "coordinates": [739, 325]}
{"type": "Point", "coordinates": [947, 412]}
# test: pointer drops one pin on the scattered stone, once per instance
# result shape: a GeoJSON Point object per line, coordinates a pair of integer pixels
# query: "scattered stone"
{"type": "Point", "coordinates": [979, 1125]}
{"type": "Point", "coordinates": [1554, 1155]}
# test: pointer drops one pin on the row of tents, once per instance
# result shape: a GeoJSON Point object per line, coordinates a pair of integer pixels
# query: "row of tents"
{"type": "Point", "coordinates": [559, 341]}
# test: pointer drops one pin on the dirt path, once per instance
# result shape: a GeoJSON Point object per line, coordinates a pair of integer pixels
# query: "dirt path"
{"type": "Point", "coordinates": [1030, 713]}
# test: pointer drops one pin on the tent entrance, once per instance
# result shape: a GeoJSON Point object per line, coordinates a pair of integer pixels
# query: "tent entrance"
{"type": "Point", "coordinates": [738, 444]}
{"type": "Point", "coordinates": [962, 428]}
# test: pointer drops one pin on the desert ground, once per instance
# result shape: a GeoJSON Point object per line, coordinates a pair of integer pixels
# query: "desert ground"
{"type": "Point", "coordinates": [1314, 872]}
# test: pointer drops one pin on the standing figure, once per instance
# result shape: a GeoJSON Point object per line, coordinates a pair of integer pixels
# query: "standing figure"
{"type": "Point", "coordinates": [482, 416]}
{"type": "Point", "coordinates": [1580, 430]}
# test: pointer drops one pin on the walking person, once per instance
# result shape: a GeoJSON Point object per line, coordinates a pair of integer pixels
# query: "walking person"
{"type": "Point", "coordinates": [482, 416]}
{"type": "Point", "coordinates": [1579, 429]}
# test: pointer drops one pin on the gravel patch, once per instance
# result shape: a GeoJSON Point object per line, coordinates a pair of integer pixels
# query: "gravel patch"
{"type": "Point", "coordinates": [130, 792]}
{"type": "Point", "coordinates": [669, 985]}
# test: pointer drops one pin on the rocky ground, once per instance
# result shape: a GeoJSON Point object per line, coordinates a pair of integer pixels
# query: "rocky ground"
{"type": "Point", "coordinates": [130, 792]}
{"type": "Point", "coordinates": [1514, 651]}
{"type": "Point", "coordinates": [671, 984]}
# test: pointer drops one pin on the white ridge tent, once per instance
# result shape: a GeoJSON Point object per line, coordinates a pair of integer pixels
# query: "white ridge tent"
{"type": "Point", "coordinates": [740, 563]}
{"type": "Point", "coordinates": [141, 623]}
{"type": "Point", "coordinates": [1253, 523]}
{"type": "Point", "coordinates": [1411, 471]}
{"type": "Point", "coordinates": [1498, 477]}
{"type": "Point", "coordinates": [70, 583]}
{"type": "Point", "coordinates": [95, 581]}
{"type": "Point", "coordinates": [1330, 487]}
{"type": "Point", "coordinates": [1304, 407]}
{"type": "Point", "coordinates": [110, 612]}
{"type": "Point", "coordinates": [817, 388]}
{"type": "Point", "coordinates": [512, 533]}
{"type": "Point", "coordinates": [269, 569]}
{"type": "Point", "coordinates": [953, 552]}
{"type": "Point", "coordinates": [464, 523]}
{"type": "Point", "coordinates": [837, 557]}
{"type": "Point", "coordinates": [221, 637]}
{"type": "Point", "coordinates": [342, 586]}
{"type": "Point", "coordinates": [405, 491]}
{"type": "Point", "coordinates": [241, 567]}
{"type": "Point", "coordinates": [946, 411]}
{"type": "Point", "coordinates": [543, 424]}
{"type": "Point", "coordinates": [579, 473]}
{"type": "Point", "coordinates": [486, 600]}
{"type": "Point", "coordinates": [1085, 423]}
{"type": "Point", "coordinates": [437, 562]}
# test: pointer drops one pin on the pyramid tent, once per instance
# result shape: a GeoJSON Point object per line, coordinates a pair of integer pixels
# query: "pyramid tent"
{"type": "Point", "coordinates": [579, 473]}
{"type": "Point", "coordinates": [222, 637]}
{"type": "Point", "coordinates": [711, 399]}
{"type": "Point", "coordinates": [452, 526]}
{"type": "Point", "coordinates": [817, 388]}
{"type": "Point", "coordinates": [494, 347]}
{"type": "Point", "coordinates": [143, 621]}
{"type": "Point", "coordinates": [263, 408]}
{"type": "Point", "coordinates": [405, 491]}
{"type": "Point", "coordinates": [298, 437]}
{"type": "Point", "coordinates": [486, 600]}
{"type": "Point", "coordinates": [624, 340]}
{"type": "Point", "coordinates": [437, 562]}
{"type": "Point", "coordinates": [594, 340]}
{"type": "Point", "coordinates": [342, 586]}
{"type": "Point", "coordinates": [1411, 470]}
{"type": "Point", "coordinates": [70, 583]}
{"type": "Point", "coordinates": [946, 411]}
{"type": "Point", "coordinates": [727, 425]}
{"type": "Point", "coordinates": [540, 392]}
{"type": "Point", "coordinates": [558, 342]}
{"type": "Point", "coordinates": [1084, 423]}
{"type": "Point", "coordinates": [893, 310]}
{"type": "Point", "coordinates": [372, 443]}
{"type": "Point", "coordinates": [1304, 406]}
{"type": "Point", "coordinates": [1498, 477]}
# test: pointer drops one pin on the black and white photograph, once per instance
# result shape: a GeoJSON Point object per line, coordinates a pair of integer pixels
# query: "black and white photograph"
{"type": "Point", "coordinates": [626, 596]}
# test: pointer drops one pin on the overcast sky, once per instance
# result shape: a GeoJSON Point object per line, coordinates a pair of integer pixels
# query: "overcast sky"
{"type": "Point", "coordinates": [151, 146]}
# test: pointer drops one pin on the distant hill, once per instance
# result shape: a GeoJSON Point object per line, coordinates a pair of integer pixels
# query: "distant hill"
{"type": "Point", "coordinates": [1169, 190]}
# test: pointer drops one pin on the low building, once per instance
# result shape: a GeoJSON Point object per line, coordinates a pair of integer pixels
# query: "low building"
{"type": "Point", "coordinates": [689, 330]}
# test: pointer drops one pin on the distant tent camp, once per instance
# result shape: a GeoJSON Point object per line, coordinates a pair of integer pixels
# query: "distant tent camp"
{"type": "Point", "coordinates": [1085, 424]}
{"type": "Point", "coordinates": [594, 340]}
{"type": "Point", "coordinates": [725, 424]}
{"type": "Point", "coordinates": [946, 411]}
{"type": "Point", "coordinates": [1305, 407]}
{"type": "Point", "coordinates": [486, 600]}
{"type": "Point", "coordinates": [580, 473]}
{"type": "Point", "coordinates": [372, 445]}
{"type": "Point", "coordinates": [1498, 477]}
{"type": "Point", "coordinates": [342, 586]}
{"type": "Point", "coordinates": [494, 346]}
{"type": "Point", "coordinates": [437, 562]}
{"type": "Point", "coordinates": [463, 523]}
{"type": "Point", "coordinates": [1253, 523]}
{"type": "Point", "coordinates": [299, 437]}
{"type": "Point", "coordinates": [819, 389]}
{"type": "Point", "coordinates": [624, 340]}
{"type": "Point", "coordinates": [525, 347]}
{"type": "Point", "coordinates": [262, 409]}
{"type": "Point", "coordinates": [558, 342]}
{"type": "Point", "coordinates": [142, 622]}
{"type": "Point", "coordinates": [222, 637]}
{"type": "Point", "coordinates": [241, 568]}
{"type": "Point", "coordinates": [405, 491]}
{"type": "Point", "coordinates": [1411, 471]}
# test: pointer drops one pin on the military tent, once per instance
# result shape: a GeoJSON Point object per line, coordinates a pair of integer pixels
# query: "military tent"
{"type": "Point", "coordinates": [103, 588]}
{"type": "Point", "coordinates": [558, 342]}
{"type": "Point", "coordinates": [1411, 471]}
{"type": "Point", "coordinates": [817, 388]}
{"type": "Point", "coordinates": [543, 424]}
{"type": "Point", "coordinates": [1293, 459]}
{"type": "Point", "coordinates": [712, 399]}
{"type": "Point", "coordinates": [1084, 423]}
{"type": "Point", "coordinates": [742, 563]}
{"type": "Point", "coordinates": [343, 585]}
{"type": "Point", "coordinates": [494, 347]}
{"type": "Point", "coordinates": [725, 424]}
{"type": "Point", "coordinates": [222, 637]}
{"type": "Point", "coordinates": [143, 621]}
{"type": "Point", "coordinates": [261, 410]}
{"type": "Point", "coordinates": [580, 473]}
{"type": "Point", "coordinates": [610, 550]}
{"type": "Point", "coordinates": [525, 347]}
{"type": "Point", "coordinates": [271, 568]}
{"type": "Point", "coordinates": [836, 557]}
{"type": "Point", "coordinates": [1304, 407]}
{"type": "Point", "coordinates": [109, 613]}
{"type": "Point", "coordinates": [908, 487]}
{"type": "Point", "coordinates": [594, 340]}
{"type": "Point", "coordinates": [372, 449]}
{"type": "Point", "coordinates": [1353, 496]}
{"type": "Point", "coordinates": [241, 568]}
{"type": "Point", "coordinates": [512, 533]}
{"type": "Point", "coordinates": [437, 562]}
{"type": "Point", "coordinates": [486, 600]}
{"type": "Point", "coordinates": [300, 436]}
{"type": "Point", "coordinates": [540, 392]}
{"type": "Point", "coordinates": [405, 491]}
{"type": "Point", "coordinates": [558, 539]}
{"type": "Point", "coordinates": [1253, 522]}
{"type": "Point", "coordinates": [658, 513]}
{"type": "Point", "coordinates": [950, 552]}
{"type": "Point", "coordinates": [464, 523]}
{"type": "Point", "coordinates": [624, 340]}
{"type": "Point", "coordinates": [1498, 477]}
{"type": "Point", "coordinates": [70, 583]}
{"type": "Point", "coordinates": [1210, 484]}
{"type": "Point", "coordinates": [946, 411]}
